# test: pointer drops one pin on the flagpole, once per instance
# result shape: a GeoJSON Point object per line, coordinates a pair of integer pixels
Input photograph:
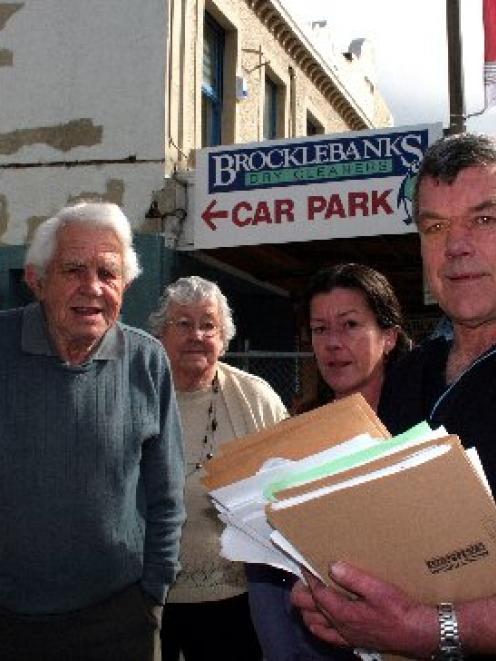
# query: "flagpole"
{"type": "Point", "coordinates": [489, 18]}
{"type": "Point", "coordinates": [455, 68]}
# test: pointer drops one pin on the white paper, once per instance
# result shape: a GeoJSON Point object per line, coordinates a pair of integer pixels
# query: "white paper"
{"type": "Point", "coordinates": [415, 459]}
{"type": "Point", "coordinates": [251, 488]}
{"type": "Point", "coordinates": [474, 459]}
{"type": "Point", "coordinates": [238, 546]}
{"type": "Point", "coordinates": [241, 505]}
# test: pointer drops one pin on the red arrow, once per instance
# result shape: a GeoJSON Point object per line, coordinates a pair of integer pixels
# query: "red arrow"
{"type": "Point", "coordinates": [209, 214]}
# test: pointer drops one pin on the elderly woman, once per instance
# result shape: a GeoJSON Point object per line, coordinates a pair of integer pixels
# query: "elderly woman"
{"type": "Point", "coordinates": [355, 323]}
{"type": "Point", "coordinates": [208, 606]}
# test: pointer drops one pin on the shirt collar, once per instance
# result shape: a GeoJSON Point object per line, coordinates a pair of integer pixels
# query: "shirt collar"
{"type": "Point", "coordinates": [36, 339]}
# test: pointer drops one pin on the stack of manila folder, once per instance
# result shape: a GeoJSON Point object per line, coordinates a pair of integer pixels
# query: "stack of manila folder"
{"type": "Point", "coordinates": [332, 484]}
{"type": "Point", "coordinates": [293, 438]}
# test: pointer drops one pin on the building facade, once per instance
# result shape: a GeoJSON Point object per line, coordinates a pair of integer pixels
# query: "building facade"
{"type": "Point", "coordinates": [244, 71]}
{"type": "Point", "coordinates": [111, 101]}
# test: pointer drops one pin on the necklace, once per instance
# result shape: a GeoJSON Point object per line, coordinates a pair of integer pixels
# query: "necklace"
{"type": "Point", "coordinates": [208, 441]}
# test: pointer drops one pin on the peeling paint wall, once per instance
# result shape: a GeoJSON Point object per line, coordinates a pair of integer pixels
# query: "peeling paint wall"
{"type": "Point", "coordinates": [29, 196]}
{"type": "Point", "coordinates": [114, 192]}
{"type": "Point", "coordinates": [4, 216]}
{"type": "Point", "coordinates": [82, 112]}
{"type": "Point", "coordinates": [76, 133]}
{"type": "Point", "coordinates": [100, 62]}
{"type": "Point", "coordinates": [6, 58]}
{"type": "Point", "coordinates": [7, 9]}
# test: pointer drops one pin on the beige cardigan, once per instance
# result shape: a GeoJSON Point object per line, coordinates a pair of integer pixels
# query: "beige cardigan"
{"type": "Point", "coordinates": [247, 404]}
{"type": "Point", "coordinates": [251, 402]}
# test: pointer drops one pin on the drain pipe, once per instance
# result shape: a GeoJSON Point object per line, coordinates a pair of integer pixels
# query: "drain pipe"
{"type": "Point", "coordinates": [292, 102]}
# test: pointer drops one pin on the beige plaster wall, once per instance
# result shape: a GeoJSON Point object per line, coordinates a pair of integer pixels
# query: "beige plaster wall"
{"type": "Point", "coordinates": [82, 106]}
{"type": "Point", "coordinates": [252, 51]}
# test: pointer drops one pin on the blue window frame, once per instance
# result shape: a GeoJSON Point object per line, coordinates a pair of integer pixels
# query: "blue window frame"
{"type": "Point", "coordinates": [270, 110]}
{"type": "Point", "coordinates": [212, 82]}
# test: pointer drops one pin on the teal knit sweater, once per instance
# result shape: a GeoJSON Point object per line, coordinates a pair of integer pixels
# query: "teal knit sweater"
{"type": "Point", "coordinates": [91, 469]}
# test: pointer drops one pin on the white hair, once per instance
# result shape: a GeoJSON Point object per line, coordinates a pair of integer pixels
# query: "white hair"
{"type": "Point", "coordinates": [100, 215]}
{"type": "Point", "coordinates": [191, 290]}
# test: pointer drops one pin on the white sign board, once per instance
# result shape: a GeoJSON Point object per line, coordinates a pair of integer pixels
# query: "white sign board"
{"type": "Point", "coordinates": [319, 187]}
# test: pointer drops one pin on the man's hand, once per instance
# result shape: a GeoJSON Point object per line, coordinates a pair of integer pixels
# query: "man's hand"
{"type": "Point", "coordinates": [371, 614]}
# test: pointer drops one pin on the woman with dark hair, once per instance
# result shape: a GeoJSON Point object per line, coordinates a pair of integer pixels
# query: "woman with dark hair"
{"type": "Point", "coordinates": [356, 326]}
{"type": "Point", "coordinates": [355, 322]}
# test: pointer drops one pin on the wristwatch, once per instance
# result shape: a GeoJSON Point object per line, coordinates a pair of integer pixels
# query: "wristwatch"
{"type": "Point", "coordinates": [450, 648]}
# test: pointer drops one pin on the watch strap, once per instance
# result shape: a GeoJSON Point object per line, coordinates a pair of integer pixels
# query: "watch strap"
{"type": "Point", "coordinates": [450, 648]}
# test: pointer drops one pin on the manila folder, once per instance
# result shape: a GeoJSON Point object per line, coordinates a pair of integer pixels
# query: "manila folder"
{"type": "Point", "coordinates": [429, 529]}
{"type": "Point", "coordinates": [294, 438]}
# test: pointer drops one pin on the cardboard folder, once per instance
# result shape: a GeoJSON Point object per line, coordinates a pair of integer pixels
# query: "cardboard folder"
{"type": "Point", "coordinates": [294, 438]}
{"type": "Point", "coordinates": [429, 529]}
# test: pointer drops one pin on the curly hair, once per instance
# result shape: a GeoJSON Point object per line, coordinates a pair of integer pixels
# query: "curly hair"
{"type": "Point", "coordinates": [190, 290]}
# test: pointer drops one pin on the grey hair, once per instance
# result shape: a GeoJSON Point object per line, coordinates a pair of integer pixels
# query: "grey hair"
{"type": "Point", "coordinates": [100, 215]}
{"type": "Point", "coordinates": [191, 290]}
{"type": "Point", "coordinates": [446, 157]}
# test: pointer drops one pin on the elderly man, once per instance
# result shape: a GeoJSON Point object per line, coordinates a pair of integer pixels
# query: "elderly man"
{"type": "Point", "coordinates": [450, 381]}
{"type": "Point", "coordinates": [91, 458]}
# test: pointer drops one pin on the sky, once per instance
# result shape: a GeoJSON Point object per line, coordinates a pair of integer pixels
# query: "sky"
{"type": "Point", "coordinates": [409, 40]}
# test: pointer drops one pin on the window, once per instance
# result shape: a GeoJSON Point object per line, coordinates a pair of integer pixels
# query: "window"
{"type": "Point", "coordinates": [212, 82]}
{"type": "Point", "coordinates": [313, 126]}
{"type": "Point", "coordinates": [270, 110]}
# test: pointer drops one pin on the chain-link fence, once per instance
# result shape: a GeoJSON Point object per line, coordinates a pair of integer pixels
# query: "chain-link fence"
{"type": "Point", "coordinates": [291, 375]}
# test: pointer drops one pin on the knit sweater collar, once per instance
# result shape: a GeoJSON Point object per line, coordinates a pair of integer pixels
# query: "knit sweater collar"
{"type": "Point", "coordinates": [36, 340]}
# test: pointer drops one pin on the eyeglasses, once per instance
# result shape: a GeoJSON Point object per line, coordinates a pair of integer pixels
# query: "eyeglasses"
{"type": "Point", "coordinates": [185, 327]}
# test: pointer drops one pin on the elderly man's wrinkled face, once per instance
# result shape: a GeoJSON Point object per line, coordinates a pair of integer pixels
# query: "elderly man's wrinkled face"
{"type": "Point", "coordinates": [83, 287]}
